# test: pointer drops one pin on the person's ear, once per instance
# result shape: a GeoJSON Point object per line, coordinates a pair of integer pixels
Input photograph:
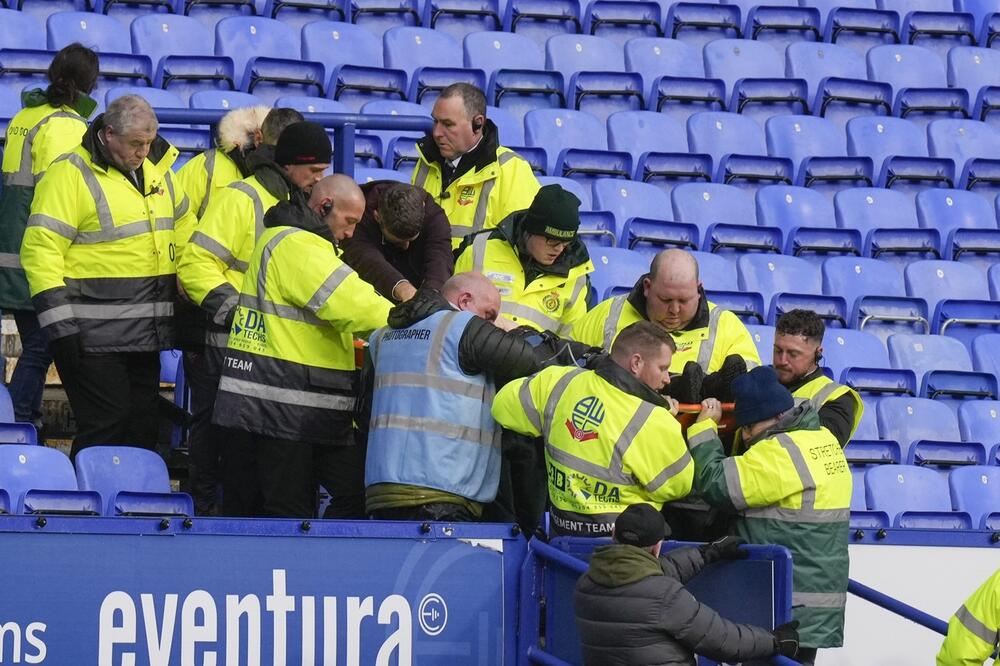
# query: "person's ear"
{"type": "Point", "coordinates": [635, 363]}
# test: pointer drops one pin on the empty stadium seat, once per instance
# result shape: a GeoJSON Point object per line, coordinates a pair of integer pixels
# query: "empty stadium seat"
{"type": "Point", "coordinates": [920, 82]}
{"type": "Point", "coordinates": [763, 338]}
{"type": "Point", "coordinates": [219, 99]}
{"type": "Point", "coordinates": [847, 348]}
{"type": "Point", "coordinates": [876, 296]}
{"type": "Point", "coordinates": [966, 223]}
{"type": "Point", "coordinates": [787, 283]}
{"type": "Point", "coordinates": [993, 277]}
{"type": "Point", "coordinates": [699, 23]}
{"type": "Point", "coordinates": [659, 148]}
{"type": "Point", "coordinates": [928, 432]}
{"type": "Point", "coordinates": [912, 497]}
{"type": "Point", "coordinates": [41, 480]}
{"type": "Point", "coordinates": [940, 280]}
{"type": "Point", "coordinates": [887, 139]}
{"type": "Point", "coordinates": [459, 18]}
{"type": "Point", "coordinates": [307, 104]}
{"type": "Point", "coordinates": [157, 97]}
{"type": "Point", "coordinates": [367, 175]}
{"type": "Point", "coordinates": [183, 54]}
{"type": "Point", "coordinates": [42, 9]}
{"type": "Point", "coordinates": [674, 76]}
{"type": "Point", "coordinates": [972, 146]}
{"type": "Point", "coordinates": [640, 210]}
{"type": "Point", "coordinates": [986, 353]}
{"type": "Point", "coordinates": [389, 108]}
{"type": "Point", "coordinates": [976, 491]}
{"type": "Point", "coordinates": [979, 421]}
{"type": "Point", "coordinates": [432, 59]}
{"type": "Point", "coordinates": [597, 229]}
{"type": "Point", "coordinates": [621, 21]}
{"type": "Point", "coordinates": [490, 51]}
{"type": "Point", "coordinates": [299, 13]}
{"type": "Point", "coordinates": [716, 272]}
{"type": "Point", "coordinates": [805, 218]}
{"type": "Point", "coordinates": [541, 19]}
{"type": "Point", "coordinates": [942, 367]}
{"type": "Point", "coordinates": [379, 16]}
{"type": "Point", "coordinates": [977, 70]}
{"type": "Point", "coordinates": [131, 481]}
{"type": "Point", "coordinates": [598, 82]}
{"type": "Point", "coordinates": [817, 150]}
{"type": "Point", "coordinates": [582, 193]}
{"type": "Point", "coordinates": [738, 149]}
{"type": "Point", "coordinates": [564, 131]}
{"type": "Point", "coordinates": [616, 270]}
{"type": "Point", "coordinates": [933, 24]}
{"type": "Point", "coordinates": [20, 30]}
{"type": "Point", "coordinates": [755, 79]}
{"type": "Point", "coordinates": [333, 44]}
{"type": "Point", "coordinates": [780, 22]}
{"type": "Point", "coordinates": [726, 217]}
{"type": "Point", "coordinates": [95, 31]}
{"type": "Point", "coordinates": [858, 24]}
{"type": "Point", "coordinates": [210, 13]}
{"type": "Point", "coordinates": [887, 220]}
{"type": "Point", "coordinates": [515, 65]}
{"type": "Point", "coordinates": [356, 85]}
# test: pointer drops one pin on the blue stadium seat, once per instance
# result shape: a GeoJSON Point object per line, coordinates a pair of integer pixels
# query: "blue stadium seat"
{"type": "Point", "coordinates": [96, 31]}
{"type": "Point", "coordinates": [210, 13]}
{"type": "Point", "coordinates": [20, 30]}
{"type": "Point", "coordinates": [981, 10]}
{"type": "Point", "coordinates": [400, 155]}
{"type": "Point", "coordinates": [333, 44]}
{"type": "Point", "coordinates": [218, 99]}
{"type": "Point", "coordinates": [976, 70]}
{"type": "Point", "coordinates": [928, 433]}
{"type": "Point", "coordinates": [716, 271]}
{"type": "Point", "coordinates": [986, 353]}
{"type": "Point", "coordinates": [10, 104]}
{"type": "Point", "coordinates": [541, 19]}
{"type": "Point", "coordinates": [125, 11]}
{"type": "Point", "coordinates": [950, 377]}
{"type": "Point", "coordinates": [738, 149]}
{"type": "Point", "coordinates": [912, 497]}
{"type": "Point", "coordinates": [616, 270]}
{"type": "Point", "coordinates": [623, 20]}
{"type": "Point", "coordinates": [188, 140]}
{"type": "Point", "coordinates": [518, 82]}
{"type": "Point", "coordinates": [432, 59]}
{"type": "Point", "coordinates": [838, 81]}
{"type": "Point", "coordinates": [490, 51]}
{"type": "Point", "coordinates": [940, 280]}
{"type": "Point", "coordinates": [789, 282]}
{"type": "Point", "coordinates": [6, 407]}
{"type": "Point", "coordinates": [847, 348]}
{"type": "Point", "coordinates": [976, 491]}
{"type": "Point", "coordinates": [459, 18]}
{"type": "Point", "coordinates": [884, 139]}
{"type": "Point", "coordinates": [364, 175]}
{"type": "Point", "coordinates": [876, 296]}
{"type": "Point", "coordinates": [699, 23]}
{"type": "Point", "coordinates": [130, 481]}
{"type": "Point", "coordinates": [598, 82]}
{"type": "Point", "coordinates": [780, 22]}
{"type": "Point", "coordinates": [510, 129]}
{"type": "Point", "coordinates": [858, 24]}
{"type": "Point", "coordinates": [563, 133]}
{"type": "Point", "coordinates": [42, 9]}
{"type": "Point", "coordinates": [183, 54]}
{"type": "Point", "coordinates": [640, 210]}
{"type": "Point", "coordinates": [122, 69]}
{"type": "Point", "coordinates": [807, 222]}
{"type": "Point", "coordinates": [582, 193]}
{"type": "Point", "coordinates": [41, 480]}
{"type": "Point", "coordinates": [966, 223]}
{"type": "Point", "coordinates": [887, 220]}
{"type": "Point", "coordinates": [157, 97]}
{"type": "Point", "coordinates": [920, 82]}
{"type": "Point", "coordinates": [933, 24]}
{"type": "Point", "coordinates": [298, 13]}
{"type": "Point", "coordinates": [972, 146]}
{"type": "Point", "coordinates": [597, 229]}
{"type": "Point", "coordinates": [18, 433]}
{"type": "Point", "coordinates": [726, 218]}
{"type": "Point", "coordinates": [388, 108]}
{"type": "Point", "coordinates": [355, 85]}
{"type": "Point", "coordinates": [674, 76]}
{"type": "Point", "coordinates": [993, 277]}
{"type": "Point", "coordinates": [379, 16]}
{"type": "Point", "coordinates": [979, 421]}
{"type": "Point", "coordinates": [307, 104]}
{"type": "Point", "coordinates": [659, 148]}
{"type": "Point", "coordinates": [818, 152]}
{"type": "Point", "coordinates": [755, 79]}
{"type": "Point", "coordinates": [763, 338]}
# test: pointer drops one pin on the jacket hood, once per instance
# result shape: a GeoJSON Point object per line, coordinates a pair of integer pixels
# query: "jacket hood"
{"type": "Point", "coordinates": [618, 564]}
{"type": "Point", "coordinates": [296, 213]}
{"type": "Point", "coordinates": [237, 128]}
{"type": "Point", "coordinates": [84, 105]}
{"type": "Point", "coordinates": [802, 416]}
{"type": "Point", "coordinates": [270, 174]}
{"type": "Point", "coordinates": [423, 304]}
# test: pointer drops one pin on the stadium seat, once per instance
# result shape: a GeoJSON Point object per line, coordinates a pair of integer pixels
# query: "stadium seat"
{"type": "Point", "coordinates": [933, 24]}
{"type": "Point", "coordinates": [157, 97]}
{"type": "Point", "coordinates": [699, 23]}
{"type": "Point", "coordinates": [125, 11]}
{"type": "Point", "coordinates": [20, 30]}
{"type": "Point", "coordinates": [210, 13]}
{"type": "Point", "coordinates": [674, 76]}
{"type": "Point", "coordinates": [333, 44]}
{"type": "Point", "coordinates": [307, 104]}
{"type": "Point", "coordinates": [218, 99]}
{"type": "Point", "coordinates": [356, 85]}
{"type": "Point", "coordinates": [6, 406]}
{"type": "Point", "coordinates": [39, 479]}
{"type": "Point", "coordinates": [780, 22]}
{"type": "Point", "coordinates": [875, 295]}
{"type": "Point", "coordinates": [726, 218]}
{"type": "Point", "coordinates": [942, 367]}
{"type": "Point", "coordinates": [940, 280]}
{"type": "Point", "coordinates": [122, 69]}
{"type": "Point", "coordinates": [597, 229]}
{"type": "Point", "coordinates": [755, 79]}
{"type": "Point", "coordinates": [540, 19]}
{"type": "Point", "coordinates": [188, 140]}
{"type": "Point", "coordinates": [42, 9]}
{"type": "Point", "coordinates": [459, 18]}
{"type": "Point", "coordinates": [717, 272]}
{"type": "Point", "coordinates": [858, 24]}
{"type": "Point", "coordinates": [379, 16]}
{"type": "Point", "coordinates": [738, 150]}
{"type": "Point", "coordinates": [621, 21]}
{"type": "Point", "coordinates": [299, 13]}
{"type": "Point", "coordinates": [818, 152]}
{"type": "Point", "coordinates": [787, 283]}
{"type": "Point", "coordinates": [131, 481]}
{"type": "Point", "coordinates": [366, 175]}
{"type": "Point", "coordinates": [847, 348]}
{"type": "Point", "coordinates": [920, 82]}
{"type": "Point", "coordinates": [763, 338]}
{"type": "Point", "coordinates": [928, 432]}
{"type": "Point", "coordinates": [966, 223]}
{"type": "Point", "coordinates": [805, 218]}
{"type": "Point", "coordinates": [18, 433]}
{"type": "Point", "coordinates": [976, 491]}
{"type": "Point", "coordinates": [838, 81]}
{"type": "Point", "coordinates": [582, 193]}
{"type": "Point", "coordinates": [979, 421]}
{"type": "Point", "coordinates": [640, 210]}
{"type": "Point", "coordinates": [884, 139]}
{"type": "Point", "coordinates": [659, 148]}
{"type": "Point", "coordinates": [431, 59]}
{"type": "Point", "coordinates": [490, 51]}
{"type": "Point", "coordinates": [977, 70]}
{"type": "Point", "coordinates": [182, 52]}
{"type": "Point", "coordinates": [972, 146]}
{"type": "Point", "coordinates": [912, 497]}
{"type": "Point", "coordinates": [598, 82]}
{"type": "Point", "coordinates": [616, 270]}
{"type": "Point", "coordinates": [986, 353]}
{"type": "Point", "coordinates": [993, 277]}
{"type": "Point", "coordinates": [518, 82]}
{"type": "Point", "coordinates": [559, 131]}
{"type": "Point", "coordinates": [95, 31]}
{"type": "Point", "coordinates": [387, 108]}
{"type": "Point", "coordinates": [887, 220]}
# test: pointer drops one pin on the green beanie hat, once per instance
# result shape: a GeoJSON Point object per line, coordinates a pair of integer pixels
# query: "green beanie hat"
{"type": "Point", "coordinates": [554, 213]}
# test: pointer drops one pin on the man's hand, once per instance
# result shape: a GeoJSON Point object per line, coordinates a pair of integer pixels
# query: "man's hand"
{"type": "Point", "coordinates": [672, 404]}
{"type": "Point", "coordinates": [786, 639]}
{"type": "Point", "coordinates": [710, 409]}
{"type": "Point", "coordinates": [726, 548]}
{"type": "Point", "coordinates": [505, 324]}
{"type": "Point", "coordinates": [403, 291]}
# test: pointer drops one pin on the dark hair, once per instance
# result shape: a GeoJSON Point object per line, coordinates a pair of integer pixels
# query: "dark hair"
{"type": "Point", "coordinates": [275, 123]}
{"type": "Point", "coordinates": [801, 322]}
{"type": "Point", "coordinates": [401, 210]}
{"type": "Point", "coordinates": [644, 338]}
{"type": "Point", "coordinates": [72, 72]}
{"type": "Point", "coordinates": [472, 98]}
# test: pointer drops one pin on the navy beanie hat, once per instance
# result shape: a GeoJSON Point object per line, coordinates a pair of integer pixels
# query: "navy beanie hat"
{"type": "Point", "coordinates": [759, 396]}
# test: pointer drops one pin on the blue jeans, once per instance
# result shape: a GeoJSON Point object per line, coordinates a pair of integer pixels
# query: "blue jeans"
{"type": "Point", "coordinates": [28, 382]}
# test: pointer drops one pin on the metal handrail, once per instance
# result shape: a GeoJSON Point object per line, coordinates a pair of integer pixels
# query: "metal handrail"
{"type": "Point", "coordinates": [896, 606]}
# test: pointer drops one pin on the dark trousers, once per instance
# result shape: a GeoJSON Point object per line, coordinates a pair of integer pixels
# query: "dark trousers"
{"type": "Point", "coordinates": [114, 397]}
{"type": "Point", "coordinates": [241, 493]}
{"type": "Point", "coordinates": [291, 472]}
{"type": "Point", "coordinates": [28, 381]}
{"type": "Point", "coordinates": [523, 492]}
{"type": "Point", "coordinates": [201, 371]}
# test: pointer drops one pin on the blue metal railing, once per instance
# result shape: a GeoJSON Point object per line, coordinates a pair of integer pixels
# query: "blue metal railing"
{"type": "Point", "coordinates": [344, 125]}
{"type": "Point", "coordinates": [898, 607]}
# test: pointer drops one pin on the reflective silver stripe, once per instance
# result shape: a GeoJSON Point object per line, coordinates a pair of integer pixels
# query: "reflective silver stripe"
{"type": "Point", "coordinates": [436, 348]}
{"type": "Point", "coordinates": [733, 485]}
{"type": "Point", "coordinates": [258, 205]}
{"type": "Point", "coordinates": [55, 315]}
{"type": "Point", "coordinates": [443, 428]}
{"type": "Point", "coordinates": [219, 250]}
{"type": "Point", "coordinates": [531, 314]}
{"type": "Point", "coordinates": [209, 171]}
{"type": "Point", "coordinates": [976, 627]}
{"type": "Point", "coordinates": [590, 469]}
{"type": "Point", "coordinates": [669, 472]}
{"type": "Point", "coordinates": [479, 252]}
{"type": "Point", "coordinates": [823, 395]}
{"type": "Point", "coordinates": [813, 516]}
{"type": "Point", "coordinates": [460, 232]}
{"type": "Point", "coordinates": [127, 230]}
{"type": "Point", "coordinates": [819, 599]}
{"type": "Point", "coordinates": [329, 286]}
{"type": "Point", "coordinates": [702, 437]}
{"type": "Point", "coordinates": [23, 176]}
{"type": "Point", "coordinates": [422, 170]}
{"type": "Point", "coordinates": [557, 393]}
{"type": "Point", "coordinates": [222, 312]}
{"type": "Point", "coordinates": [217, 339]}
{"type": "Point", "coordinates": [479, 218]}
{"type": "Point", "coordinates": [93, 311]}
{"type": "Point", "coordinates": [281, 310]}
{"type": "Point", "coordinates": [10, 260]}
{"type": "Point", "coordinates": [285, 395]}
{"type": "Point", "coordinates": [528, 405]}
{"type": "Point", "coordinates": [182, 209]}
{"type": "Point", "coordinates": [90, 180]}
{"type": "Point", "coordinates": [708, 345]}
{"type": "Point", "coordinates": [581, 282]}
{"type": "Point", "coordinates": [170, 185]}
{"type": "Point", "coordinates": [611, 323]}
{"type": "Point", "coordinates": [52, 224]}
{"type": "Point", "coordinates": [418, 380]}
{"type": "Point", "coordinates": [629, 433]}
{"type": "Point", "coordinates": [265, 259]}
{"type": "Point", "coordinates": [805, 476]}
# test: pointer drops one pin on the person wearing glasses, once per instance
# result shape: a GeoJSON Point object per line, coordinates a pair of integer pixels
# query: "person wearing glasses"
{"type": "Point", "coordinates": [537, 262]}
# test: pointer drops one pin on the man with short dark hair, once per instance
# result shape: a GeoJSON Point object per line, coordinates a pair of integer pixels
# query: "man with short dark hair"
{"type": "Point", "coordinates": [611, 439]}
{"type": "Point", "coordinates": [403, 242]}
{"type": "Point", "coordinates": [798, 349]}
{"type": "Point", "coordinates": [632, 608]}
{"type": "Point", "coordinates": [465, 168]}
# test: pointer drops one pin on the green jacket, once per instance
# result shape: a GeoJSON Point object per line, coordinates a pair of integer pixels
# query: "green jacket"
{"type": "Point", "coordinates": [791, 487]}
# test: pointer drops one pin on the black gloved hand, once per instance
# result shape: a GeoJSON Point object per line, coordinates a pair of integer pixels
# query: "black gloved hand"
{"type": "Point", "coordinates": [717, 384]}
{"type": "Point", "coordinates": [726, 548]}
{"type": "Point", "coordinates": [686, 387]}
{"type": "Point", "coordinates": [786, 639]}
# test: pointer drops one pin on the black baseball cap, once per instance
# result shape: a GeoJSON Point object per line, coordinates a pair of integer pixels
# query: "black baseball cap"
{"type": "Point", "coordinates": [641, 525]}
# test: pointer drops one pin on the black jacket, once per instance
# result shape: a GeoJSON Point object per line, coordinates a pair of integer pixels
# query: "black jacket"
{"type": "Point", "coordinates": [633, 610]}
{"type": "Point", "coordinates": [836, 415]}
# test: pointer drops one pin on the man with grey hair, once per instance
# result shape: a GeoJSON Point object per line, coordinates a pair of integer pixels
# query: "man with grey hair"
{"type": "Point", "coordinates": [99, 255]}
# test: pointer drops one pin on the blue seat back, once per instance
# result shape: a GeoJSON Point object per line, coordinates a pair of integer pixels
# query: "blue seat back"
{"type": "Point", "coordinates": [622, 20]}
{"type": "Point", "coordinates": [979, 421]}
{"type": "Point", "coordinates": [112, 469]}
{"type": "Point", "coordinates": [879, 137]}
{"type": "Point", "coordinates": [303, 12]}
{"type": "Point", "coordinates": [6, 406]}
{"type": "Point", "coordinates": [763, 337]}
{"type": "Point", "coordinates": [157, 98]}
{"type": "Point", "coordinates": [160, 35]}
{"type": "Point", "coordinates": [653, 57]}
{"type": "Point", "coordinates": [735, 59]}
{"type": "Point", "coordinates": [962, 140]}
{"type": "Point", "coordinates": [855, 277]}
{"type": "Point", "coordinates": [935, 280]}
{"type": "Point", "coordinates": [718, 133]}
{"type": "Point", "coordinates": [709, 203]}
{"type": "Point", "coordinates": [96, 31]}
{"type": "Point", "coordinates": [459, 18]}
{"type": "Point", "coordinates": [986, 353]}
{"type": "Point", "coordinates": [947, 210]}
{"type": "Point", "coordinates": [799, 137]}
{"type": "Point", "coordinates": [20, 30]}
{"type": "Point", "coordinates": [616, 268]}
{"type": "Point", "coordinates": [573, 186]}
{"type": "Point", "coordinates": [898, 488]}
{"type": "Point", "coordinates": [557, 129]}
{"type": "Point", "coordinates": [629, 198]}
{"type": "Point", "coordinates": [815, 61]}
{"type": "Point", "coordinates": [541, 19]}
{"type": "Point", "coordinates": [716, 271]}
{"type": "Point", "coordinates": [222, 99]}
{"type": "Point", "coordinates": [771, 274]}
{"type": "Point", "coordinates": [307, 104]}
{"type": "Point", "coordinates": [575, 53]}
{"type": "Point", "coordinates": [788, 207]}
{"type": "Point", "coordinates": [845, 348]}
{"type": "Point", "coordinates": [364, 175]}
{"type": "Point", "coordinates": [907, 420]}
{"type": "Point", "coordinates": [973, 68]}
{"type": "Point", "coordinates": [408, 48]}
{"type": "Point", "coordinates": [245, 37]}
{"type": "Point", "coordinates": [490, 51]}
{"type": "Point", "coordinates": [867, 208]}
{"type": "Point", "coordinates": [924, 353]}
{"type": "Point", "coordinates": [334, 43]}
{"type": "Point", "coordinates": [639, 132]}
{"type": "Point", "coordinates": [975, 490]}
{"type": "Point", "coordinates": [26, 467]}
{"type": "Point", "coordinates": [906, 66]}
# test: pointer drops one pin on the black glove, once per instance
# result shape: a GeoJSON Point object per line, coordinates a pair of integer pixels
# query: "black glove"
{"type": "Point", "coordinates": [726, 548]}
{"type": "Point", "coordinates": [786, 639]}
{"type": "Point", "coordinates": [717, 384]}
{"type": "Point", "coordinates": [66, 349]}
{"type": "Point", "coordinates": [686, 387]}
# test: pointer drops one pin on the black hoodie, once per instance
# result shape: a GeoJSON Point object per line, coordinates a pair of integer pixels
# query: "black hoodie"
{"type": "Point", "coordinates": [296, 213]}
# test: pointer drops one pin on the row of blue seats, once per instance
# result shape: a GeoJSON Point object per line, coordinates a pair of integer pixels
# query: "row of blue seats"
{"type": "Point", "coordinates": [108, 480]}
{"type": "Point", "coordinates": [915, 497]}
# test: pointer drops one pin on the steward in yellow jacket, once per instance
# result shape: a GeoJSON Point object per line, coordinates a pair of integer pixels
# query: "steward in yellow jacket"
{"type": "Point", "coordinates": [536, 261]}
{"type": "Point", "coordinates": [462, 165]}
{"type": "Point", "coordinates": [974, 629]}
{"type": "Point", "coordinates": [610, 439]}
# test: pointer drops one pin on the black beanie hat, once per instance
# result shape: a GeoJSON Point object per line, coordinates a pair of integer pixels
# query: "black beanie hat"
{"type": "Point", "coordinates": [303, 143]}
{"type": "Point", "coordinates": [641, 525]}
{"type": "Point", "coordinates": [759, 396]}
{"type": "Point", "coordinates": [555, 213]}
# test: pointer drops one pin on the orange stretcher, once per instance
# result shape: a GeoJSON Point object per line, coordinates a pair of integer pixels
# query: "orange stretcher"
{"type": "Point", "coordinates": [688, 413]}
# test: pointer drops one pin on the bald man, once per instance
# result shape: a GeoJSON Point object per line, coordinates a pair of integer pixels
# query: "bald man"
{"type": "Point", "coordinates": [433, 447]}
{"type": "Point", "coordinates": [672, 297]}
{"type": "Point", "coordinates": [289, 377]}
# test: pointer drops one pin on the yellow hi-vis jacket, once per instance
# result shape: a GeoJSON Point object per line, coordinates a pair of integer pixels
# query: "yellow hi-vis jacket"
{"type": "Point", "coordinates": [100, 255]}
{"type": "Point", "coordinates": [204, 175]}
{"type": "Point", "coordinates": [822, 389]}
{"type": "Point", "coordinates": [974, 629]}
{"type": "Point", "coordinates": [722, 335]}
{"type": "Point", "coordinates": [605, 447]}
{"type": "Point", "coordinates": [480, 198]}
